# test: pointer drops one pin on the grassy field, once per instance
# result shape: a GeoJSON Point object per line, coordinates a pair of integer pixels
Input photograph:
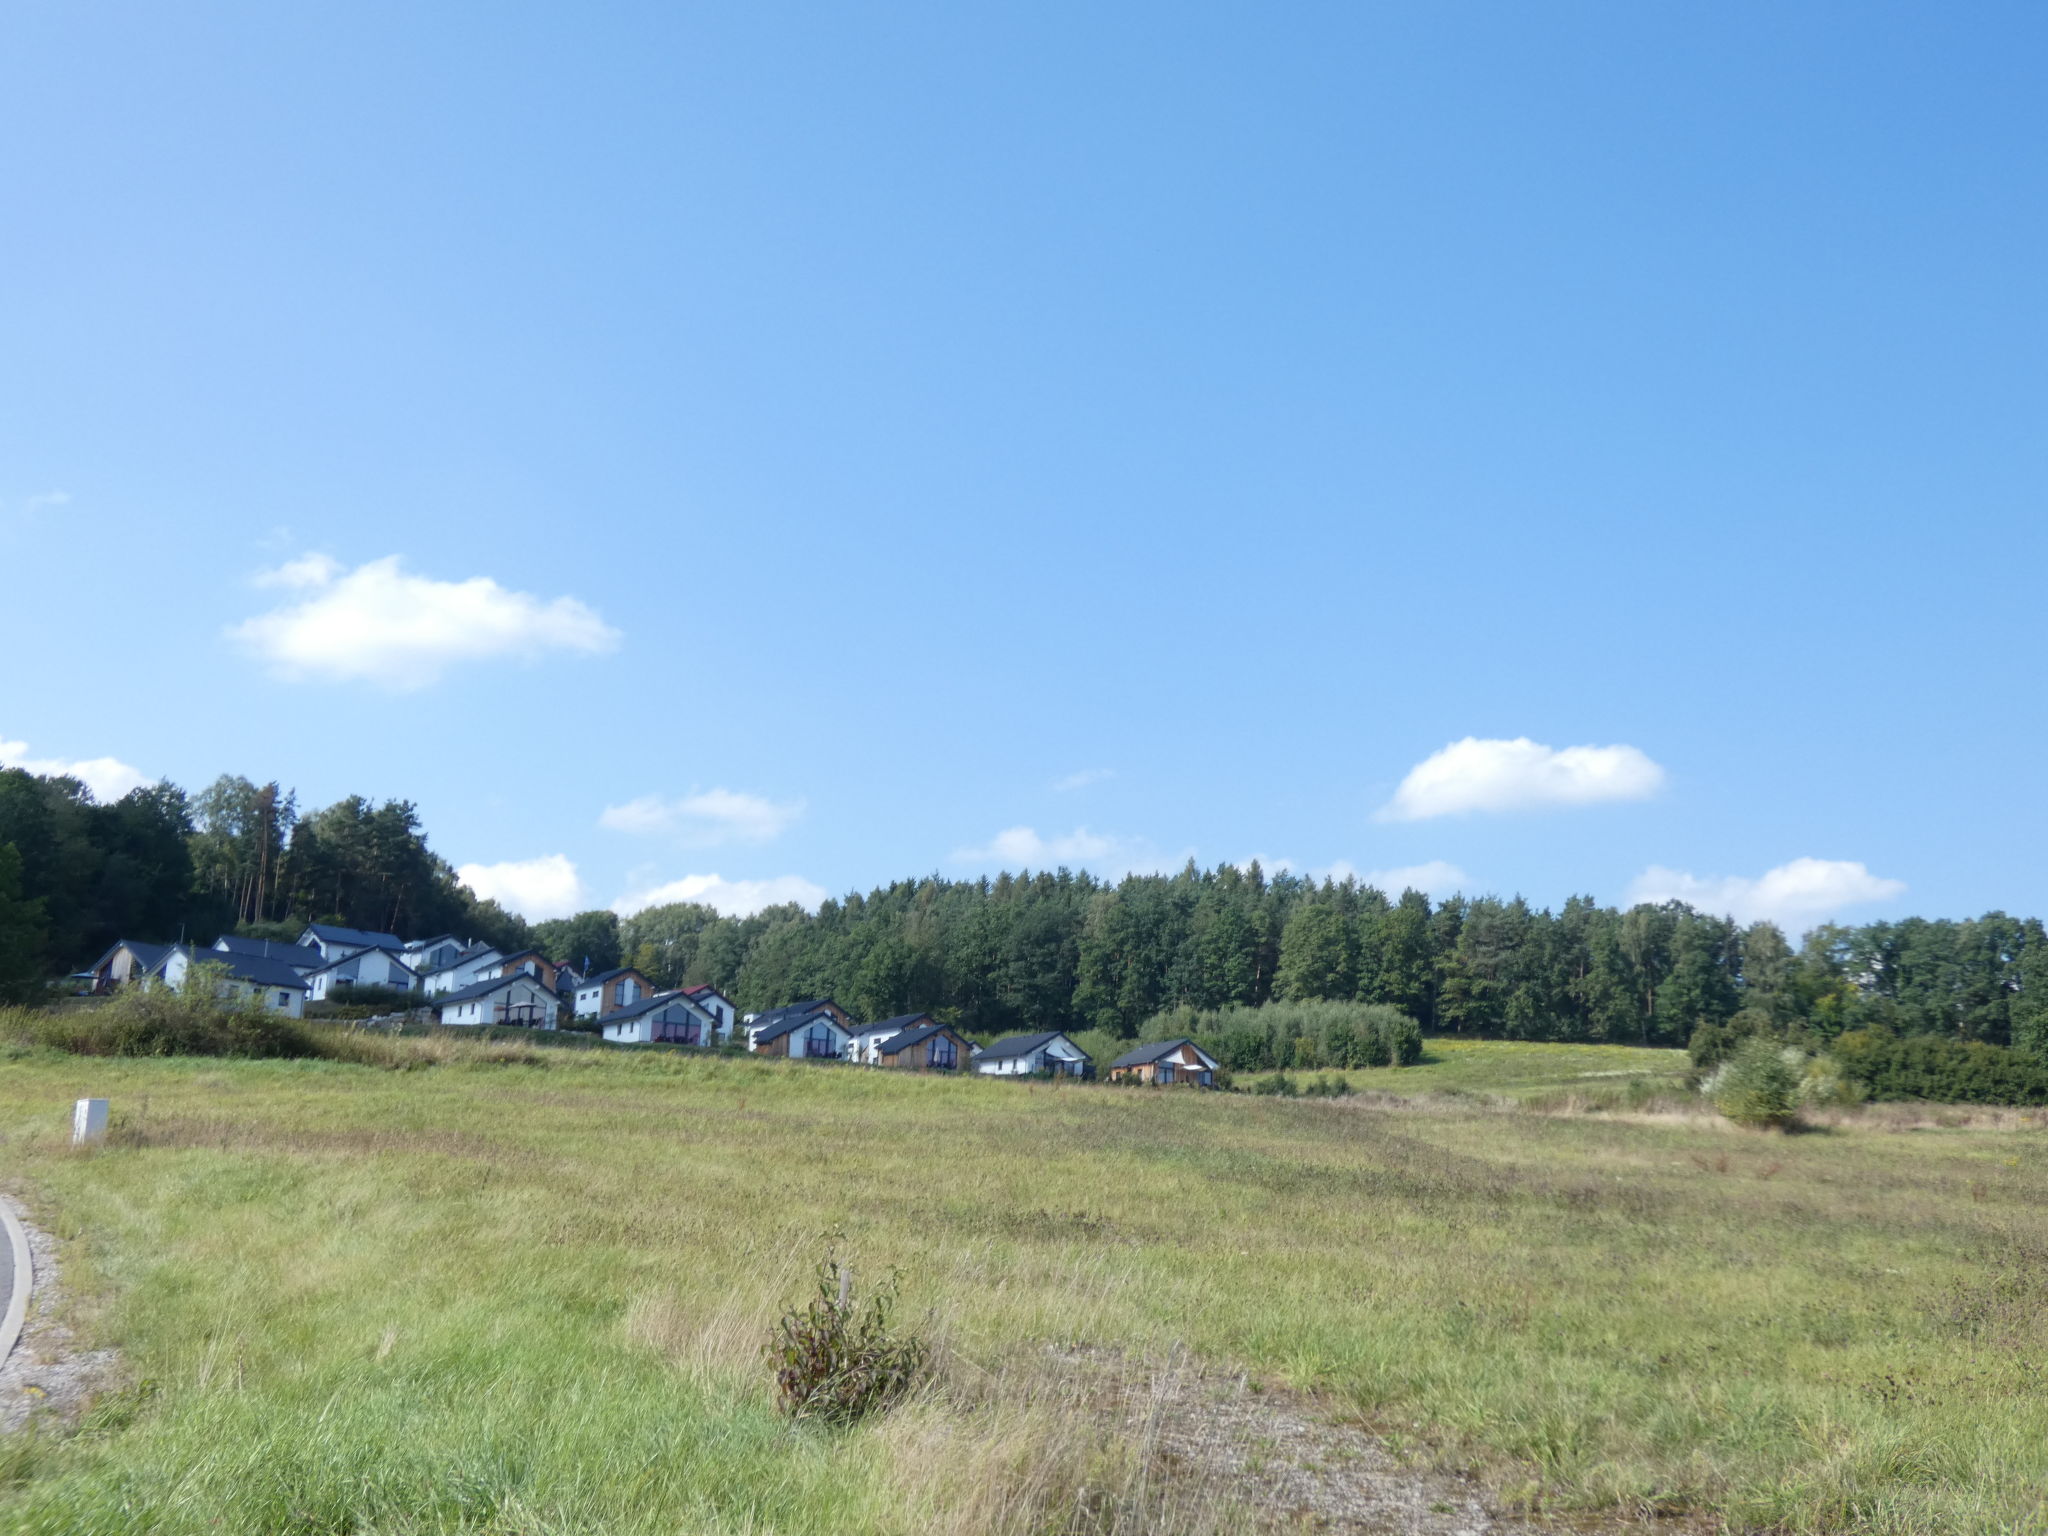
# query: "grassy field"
{"type": "Point", "coordinates": [529, 1298]}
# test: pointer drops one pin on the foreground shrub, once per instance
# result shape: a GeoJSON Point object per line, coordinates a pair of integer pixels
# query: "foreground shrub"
{"type": "Point", "coordinates": [1324, 1086]}
{"type": "Point", "coordinates": [1758, 1085]}
{"type": "Point", "coordinates": [155, 1021]}
{"type": "Point", "coordinates": [837, 1359]}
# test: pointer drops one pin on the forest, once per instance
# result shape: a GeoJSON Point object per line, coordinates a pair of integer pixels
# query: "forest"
{"type": "Point", "coordinates": [1026, 951]}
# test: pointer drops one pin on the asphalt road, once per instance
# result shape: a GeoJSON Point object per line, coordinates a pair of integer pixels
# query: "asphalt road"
{"type": "Point", "coordinates": [6, 1274]}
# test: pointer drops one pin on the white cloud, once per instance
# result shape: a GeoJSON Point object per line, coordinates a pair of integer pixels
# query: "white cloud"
{"type": "Point", "coordinates": [1518, 775]}
{"type": "Point", "coordinates": [705, 818]}
{"type": "Point", "coordinates": [107, 777]}
{"type": "Point", "coordinates": [1021, 848]}
{"type": "Point", "coordinates": [734, 898]}
{"type": "Point", "coordinates": [1083, 779]}
{"type": "Point", "coordinates": [1795, 896]}
{"type": "Point", "coordinates": [380, 624]}
{"type": "Point", "coordinates": [537, 889]}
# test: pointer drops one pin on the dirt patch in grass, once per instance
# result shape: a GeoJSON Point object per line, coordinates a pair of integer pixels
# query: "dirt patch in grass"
{"type": "Point", "coordinates": [48, 1377]}
{"type": "Point", "coordinates": [1291, 1462]}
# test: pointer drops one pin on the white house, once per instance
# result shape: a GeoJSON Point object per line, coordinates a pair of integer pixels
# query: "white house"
{"type": "Point", "coordinates": [364, 968]}
{"type": "Point", "coordinates": [334, 942]}
{"type": "Point", "coordinates": [425, 956]}
{"type": "Point", "coordinates": [1031, 1055]}
{"type": "Point", "coordinates": [515, 999]}
{"type": "Point", "coordinates": [864, 1044]}
{"type": "Point", "coordinates": [602, 995]}
{"type": "Point", "coordinates": [674, 1017]}
{"type": "Point", "coordinates": [817, 1036]}
{"type": "Point", "coordinates": [273, 983]}
{"type": "Point", "coordinates": [466, 969]}
{"type": "Point", "coordinates": [716, 1003]}
{"type": "Point", "coordinates": [129, 960]}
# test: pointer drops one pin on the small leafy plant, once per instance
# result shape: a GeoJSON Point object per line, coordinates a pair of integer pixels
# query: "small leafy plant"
{"type": "Point", "coordinates": [837, 1358]}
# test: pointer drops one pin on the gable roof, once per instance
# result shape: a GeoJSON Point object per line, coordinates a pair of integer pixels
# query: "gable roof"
{"type": "Point", "coordinates": [910, 1037]}
{"type": "Point", "coordinates": [654, 1004]}
{"type": "Point", "coordinates": [887, 1027]}
{"type": "Point", "coordinates": [333, 935]}
{"type": "Point", "coordinates": [469, 956]}
{"type": "Point", "coordinates": [148, 956]}
{"type": "Point", "coordinates": [389, 955]}
{"type": "Point", "coordinates": [491, 984]}
{"type": "Point", "coordinates": [299, 955]}
{"type": "Point", "coordinates": [791, 1025]}
{"type": "Point", "coordinates": [1024, 1045]}
{"type": "Point", "coordinates": [704, 987]}
{"type": "Point", "coordinates": [260, 969]}
{"type": "Point", "coordinates": [439, 938]}
{"type": "Point", "coordinates": [604, 976]}
{"type": "Point", "coordinates": [1145, 1054]}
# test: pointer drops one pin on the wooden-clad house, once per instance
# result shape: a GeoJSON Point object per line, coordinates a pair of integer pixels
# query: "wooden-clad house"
{"type": "Point", "coordinates": [1170, 1062]}
{"type": "Point", "coordinates": [927, 1048]}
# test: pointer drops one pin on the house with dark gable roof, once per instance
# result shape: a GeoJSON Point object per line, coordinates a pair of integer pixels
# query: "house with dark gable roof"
{"type": "Point", "coordinates": [1050, 1054]}
{"type": "Point", "coordinates": [715, 1003]}
{"type": "Point", "coordinates": [927, 1048]}
{"type": "Point", "coordinates": [1169, 1062]}
{"type": "Point", "coordinates": [800, 1033]}
{"type": "Point", "coordinates": [865, 1040]}
{"type": "Point", "coordinates": [675, 1018]}
{"type": "Point", "coordinates": [334, 942]}
{"type": "Point", "coordinates": [128, 960]}
{"type": "Point", "coordinates": [602, 995]}
{"type": "Point", "coordinates": [364, 968]}
{"type": "Point", "coordinates": [276, 985]}
{"type": "Point", "coordinates": [467, 968]}
{"type": "Point", "coordinates": [518, 999]}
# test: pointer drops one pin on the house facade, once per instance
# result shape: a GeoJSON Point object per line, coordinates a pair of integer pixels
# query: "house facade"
{"type": "Point", "coordinates": [129, 960]}
{"type": "Point", "coordinates": [335, 942]}
{"type": "Point", "coordinates": [469, 967]}
{"type": "Point", "coordinates": [802, 1037]}
{"type": "Point", "coordinates": [530, 961]}
{"type": "Point", "coordinates": [1051, 1054]}
{"type": "Point", "coordinates": [364, 968]}
{"type": "Point", "coordinates": [604, 994]}
{"type": "Point", "coordinates": [518, 999]}
{"type": "Point", "coordinates": [928, 1048]}
{"type": "Point", "coordinates": [715, 1003]}
{"type": "Point", "coordinates": [673, 1018]}
{"type": "Point", "coordinates": [423, 957]}
{"type": "Point", "coordinates": [865, 1041]}
{"type": "Point", "coordinates": [1171, 1062]}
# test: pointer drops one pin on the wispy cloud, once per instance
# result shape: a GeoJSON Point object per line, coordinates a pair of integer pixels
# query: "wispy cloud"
{"type": "Point", "coordinates": [704, 818]}
{"type": "Point", "coordinates": [734, 898]}
{"type": "Point", "coordinates": [1021, 848]}
{"type": "Point", "coordinates": [1479, 774]}
{"type": "Point", "coordinates": [1794, 895]}
{"type": "Point", "coordinates": [537, 889]}
{"type": "Point", "coordinates": [381, 624]}
{"type": "Point", "coordinates": [107, 777]}
{"type": "Point", "coordinates": [1083, 779]}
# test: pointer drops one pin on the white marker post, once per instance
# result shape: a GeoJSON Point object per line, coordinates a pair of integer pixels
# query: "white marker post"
{"type": "Point", "coordinates": [88, 1121]}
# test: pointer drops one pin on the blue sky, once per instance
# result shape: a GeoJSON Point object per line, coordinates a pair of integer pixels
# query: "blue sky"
{"type": "Point", "coordinates": [808, 446]}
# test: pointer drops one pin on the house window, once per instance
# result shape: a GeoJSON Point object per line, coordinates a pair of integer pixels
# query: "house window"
{"type": "Point", "coordinates": [942, 1053]}
{"type": "Point", "coordinates": [284, 999]}
{"type": "Point", "coordinates": [686, 1033]}
{"type": "Point", "coordinates": [1166, 1072]}
{"type": "Point", "coordinates": [819, 1042]}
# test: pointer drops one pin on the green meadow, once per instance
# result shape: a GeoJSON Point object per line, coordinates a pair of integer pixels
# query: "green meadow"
{"type": "Point", "coordinates": [522, 1291]}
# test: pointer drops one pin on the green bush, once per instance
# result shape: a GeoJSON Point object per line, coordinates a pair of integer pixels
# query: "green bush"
{"type": "Point", "coordinates": [156, 1021]}
{"type": "Point", "coordinates": [1939, 1069]}
{"type": "Point", "coordinates": [1758, 1084]}
{"type": "Point", "coordinates": [1278, 1086]}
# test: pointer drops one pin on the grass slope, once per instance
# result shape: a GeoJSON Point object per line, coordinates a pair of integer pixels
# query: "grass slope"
{"type": "Point", "coordinates": [525, 1298]}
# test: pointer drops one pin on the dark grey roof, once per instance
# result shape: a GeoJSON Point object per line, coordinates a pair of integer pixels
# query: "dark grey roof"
{"type": "Point", "coordinates": [149, 955]}
{"type": "Point", "coordinates": [484, 988]}
{"type": "Point", "coordinates": [1150, 1053]}
{"type": "Point", "coordinates": [439, 938]}
{"type": "Point", "coordinates": [910, 1037]}
{"type": "Point", "coordinates": [895, 1026]}
{"type": "Point", "coordinates": [604, 976]}
{"type": "Point", "coordinates": [334, 935]}
{"type": "Point", "coordinates": [649, 1005]}
{"type": "Point", "coordinates": [1024, 1045]}
{"type": "Point", "coordinates": [260, 969]}
{"type": "Point", "coordinates": [390, 955]}
{"type": "Point", "coordinates": [469, 956]}
{"type": "Point", "coordinates": [791, 1025]}
{"type": "Point", "coordinates": [300, 955]}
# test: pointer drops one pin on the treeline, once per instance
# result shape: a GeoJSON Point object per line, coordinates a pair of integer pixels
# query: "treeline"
{"type": "Point", "coordinates": [1028, 951]}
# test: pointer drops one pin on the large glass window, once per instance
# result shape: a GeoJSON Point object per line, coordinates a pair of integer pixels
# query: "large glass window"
{"type": "Point", "coordinates": [1166, 1072]}
{"type": "Point", "coordinates": [941, 1052]}
{"type": "Point", "coordinates": [689, 1032]}
{"type": "Point", "coordinates": [819, 1042]}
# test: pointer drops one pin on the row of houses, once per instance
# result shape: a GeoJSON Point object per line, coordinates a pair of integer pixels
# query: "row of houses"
{"type": "Point", "coordinates": [477, 985]}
